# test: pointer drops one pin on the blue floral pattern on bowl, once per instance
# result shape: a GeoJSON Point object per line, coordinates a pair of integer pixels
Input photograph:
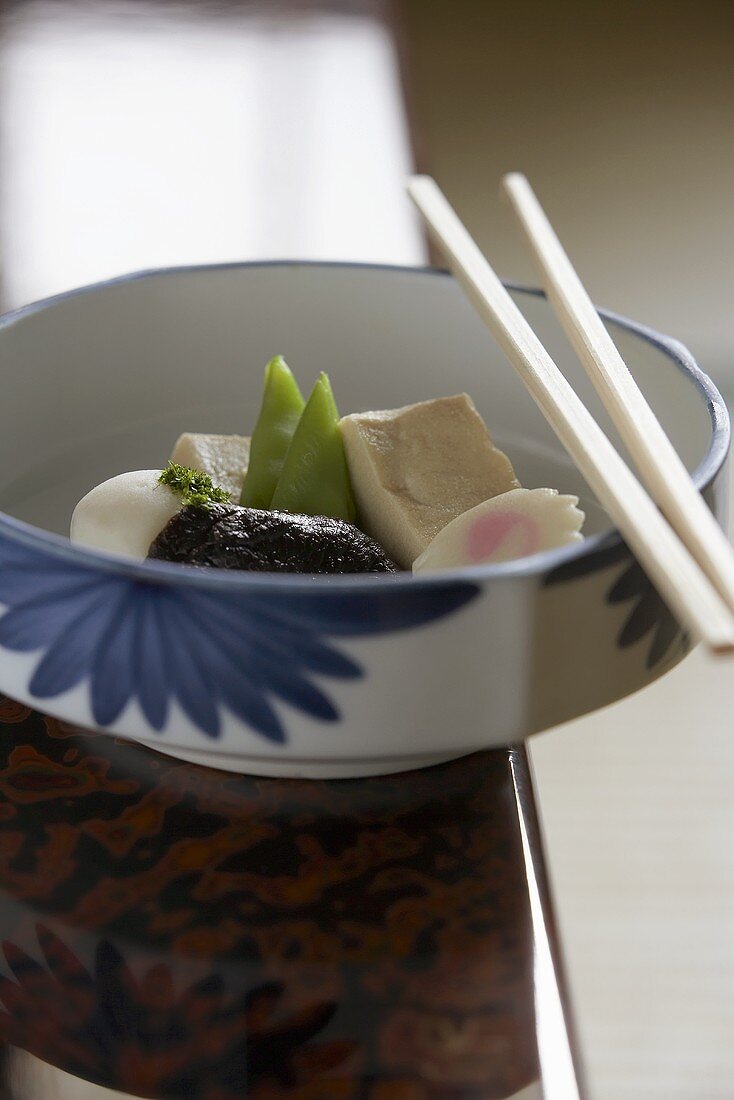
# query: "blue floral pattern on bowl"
{"type": "Point", "coordinates": [649, 615]}
{"type": "Point", "coordinates": [134, 639]}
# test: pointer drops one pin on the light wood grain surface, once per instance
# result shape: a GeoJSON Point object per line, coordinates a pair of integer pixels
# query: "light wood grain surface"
{"type": "Point", "coordinates": [638, 810]}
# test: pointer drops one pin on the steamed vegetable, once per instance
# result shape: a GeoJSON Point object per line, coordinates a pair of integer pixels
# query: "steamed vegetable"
{"type": "Point", "coordinates": [281, 409]}
{"type": "Point", "coordinates": [315, 478]}
{"type": "Point", "coordinates": [228, 537]}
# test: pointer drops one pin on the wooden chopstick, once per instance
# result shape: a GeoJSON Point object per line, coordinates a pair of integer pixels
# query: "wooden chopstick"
{"type": "Point", "coordinates": [657, 460]}
{"type": "Point", "coordinates": [670, 566]}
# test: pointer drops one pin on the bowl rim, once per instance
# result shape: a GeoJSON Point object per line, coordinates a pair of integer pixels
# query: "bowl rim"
{"type": "Point", "coordinates": [169, 573]}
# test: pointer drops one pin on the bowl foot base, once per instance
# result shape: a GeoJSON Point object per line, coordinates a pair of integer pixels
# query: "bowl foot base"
{"type": "Point", "coordinates": [304, 769]}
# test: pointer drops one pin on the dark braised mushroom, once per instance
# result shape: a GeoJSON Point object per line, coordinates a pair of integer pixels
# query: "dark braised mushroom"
{"type": "Point", "coordinates": [226, 536]}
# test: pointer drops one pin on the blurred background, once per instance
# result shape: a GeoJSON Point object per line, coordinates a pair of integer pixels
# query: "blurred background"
{"type": "Point", "coordinates": [137, 134]}
{"type": "Point", "coordinates": [141, 133]}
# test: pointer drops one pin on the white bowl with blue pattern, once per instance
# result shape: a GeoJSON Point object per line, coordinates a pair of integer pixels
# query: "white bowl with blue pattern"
{"type": "Point", "coordinates": [293, 675]}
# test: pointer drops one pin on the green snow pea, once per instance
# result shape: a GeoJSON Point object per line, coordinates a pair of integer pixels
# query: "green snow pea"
{"type": "Point", "coordinates": [281, 409]}
{"type": "Point", "coordinates": [315, 478]}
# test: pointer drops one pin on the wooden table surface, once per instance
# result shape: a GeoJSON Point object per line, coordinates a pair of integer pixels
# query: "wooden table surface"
{"type": "Point", "coordinates": [173, 931]}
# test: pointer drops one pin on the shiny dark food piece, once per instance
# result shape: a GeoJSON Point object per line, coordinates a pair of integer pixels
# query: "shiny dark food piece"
{"type": "Point", "coordinates": [226, 536]}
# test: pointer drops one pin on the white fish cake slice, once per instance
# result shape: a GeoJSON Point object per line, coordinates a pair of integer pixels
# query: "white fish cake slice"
{"type": "Point", "coordinates": [511, 525]}
{"type": "Point", "coordinates": [224, 457]}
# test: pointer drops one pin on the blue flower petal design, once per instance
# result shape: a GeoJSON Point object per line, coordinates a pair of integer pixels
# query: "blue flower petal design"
{"type": "Point", "coordinates": [135, 639]}
{"type": "Point", "coordinates": [649, 613]}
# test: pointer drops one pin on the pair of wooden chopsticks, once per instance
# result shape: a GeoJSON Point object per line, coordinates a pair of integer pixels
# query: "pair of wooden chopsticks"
{"type": "Point", "coordinates": [686, 555]}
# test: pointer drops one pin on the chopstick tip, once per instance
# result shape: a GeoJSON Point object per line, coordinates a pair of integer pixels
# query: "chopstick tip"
{"type": "Point", "coordinates": [419, 184]}
{"type": "Point", "coordinates": [513, 181]}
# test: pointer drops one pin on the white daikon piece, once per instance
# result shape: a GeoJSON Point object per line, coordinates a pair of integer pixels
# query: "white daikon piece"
{"type": "Point", "coordinates": [511, 525]}
{"type": "Point", "coordinates": [125, 514]}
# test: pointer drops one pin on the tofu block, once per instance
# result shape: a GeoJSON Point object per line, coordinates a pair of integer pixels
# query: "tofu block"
{"type": "Point", "coordinates": [415, 469]}
{"type": "Point", "coordinates": [223, 457]}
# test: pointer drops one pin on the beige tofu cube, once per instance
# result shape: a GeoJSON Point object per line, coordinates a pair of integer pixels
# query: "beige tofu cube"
{"type": "Point", "coordinates": [415, 469]}
{"type": "Point", "coordinates": [223, 457]}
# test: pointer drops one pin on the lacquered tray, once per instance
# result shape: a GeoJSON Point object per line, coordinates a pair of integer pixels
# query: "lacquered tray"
{"type": "Point", "coordinates": [175, 931]}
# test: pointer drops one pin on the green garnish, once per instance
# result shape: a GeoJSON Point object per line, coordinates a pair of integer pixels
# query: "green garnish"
{"type": "Point", "coordinates": [281, 409]}
{"type": "Point", "coordinates": [315, 478]}
{"type": "Point", "coordinates": [192, 486]}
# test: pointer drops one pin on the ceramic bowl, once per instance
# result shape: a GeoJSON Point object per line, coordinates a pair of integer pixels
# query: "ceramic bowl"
{"type": "Point", "coordinates": [292, 675]}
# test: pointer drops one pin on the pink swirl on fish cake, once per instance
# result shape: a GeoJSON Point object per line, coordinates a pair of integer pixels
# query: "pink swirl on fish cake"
{"type": "Point", "coordinates": [488, 532]}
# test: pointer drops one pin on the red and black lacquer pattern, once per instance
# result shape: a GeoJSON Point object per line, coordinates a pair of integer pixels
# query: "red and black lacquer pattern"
{"type": "Point", "coordinates": [176, 931]}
